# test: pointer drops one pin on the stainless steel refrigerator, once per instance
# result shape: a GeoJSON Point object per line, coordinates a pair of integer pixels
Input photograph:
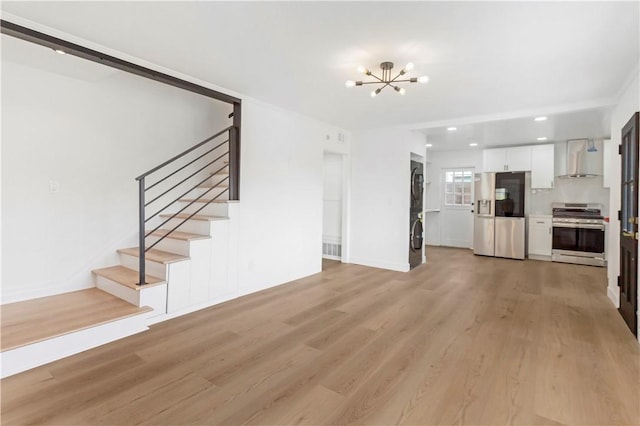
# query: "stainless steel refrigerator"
{"type": "Point", "coordinates": [510, 219]}
{"type": "Point", "coordinates": [499, 222]}
{"type": "Point", "coordinates": [484, 214]}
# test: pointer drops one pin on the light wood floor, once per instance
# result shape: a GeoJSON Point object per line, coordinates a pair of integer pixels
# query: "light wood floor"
{"type": "Point", "coordinates": [35, 320]}
{"type": "Point", "coordinates": [461, 340]}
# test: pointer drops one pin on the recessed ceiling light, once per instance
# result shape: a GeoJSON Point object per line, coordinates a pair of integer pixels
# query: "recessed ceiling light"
{"type": "Point", "coordinates": [60, 51]}
{"type": "Point", "coordinates": [429, 145]}
{"type": "Point", "coordinates": [542, 139]}
{"type": "Point", "coordinates": [539, 118]}
{"type": "Point", "coordinates": [473, 144]}
{"type": "Point", "coordinates": [451, 129]}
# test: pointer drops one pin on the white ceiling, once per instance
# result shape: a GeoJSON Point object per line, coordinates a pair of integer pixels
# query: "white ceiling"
{"type": "Point", "coordinates": [496, 60]}
{"type": "Point", "coordinates": [592, 123]}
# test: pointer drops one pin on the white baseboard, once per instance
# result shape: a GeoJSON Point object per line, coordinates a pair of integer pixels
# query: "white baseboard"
{"type": "Point", "coordinates": [539, 257]}
{"type": "Point", "coordinates": [193, 308]}
{"type": "Point", "coordinates": [326, 256]}
{"type": "Point", "coordinates": [393, 266]}
{"type": "Point", "coordinates": [20, 359]}
{"type": "Point", "coordinates": [614, 296]}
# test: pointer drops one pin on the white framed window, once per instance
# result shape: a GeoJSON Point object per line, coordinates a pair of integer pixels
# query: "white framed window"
{"type": "Point", "coordinates": [457, 187]}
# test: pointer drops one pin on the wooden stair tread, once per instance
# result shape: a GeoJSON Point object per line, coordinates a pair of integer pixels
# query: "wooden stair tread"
{"type": "Point", "coordinates": [36, 320]}
{"type": "Point", "coordinates": [127, 277]}
{"type": "Point", "coordinates": [202, 217]}
{"type": "Point", "coordinates": [203, 200]}
{"type": "Point", "coordinates": [155, 255]}
{"type": "Point", "coordinates": [179, 235]}
{"type": "Point", "coordinates": [219, 185]}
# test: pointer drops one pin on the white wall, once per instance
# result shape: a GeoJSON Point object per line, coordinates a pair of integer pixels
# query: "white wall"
{"type": "Point", "coordinates": [281, 188]}
{"type": "Point", "coordinates": [380, 196]}
{"type": "Point", "coordinates": [580, 190]}
{"type": "Point", "coordinates": [92, 129]}
{"type": "Point", "coordinates": [437, 161]}
{"type": "Point", "coordinates": [628, 104]}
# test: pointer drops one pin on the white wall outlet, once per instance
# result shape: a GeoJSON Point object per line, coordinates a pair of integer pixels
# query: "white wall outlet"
{"type": "Point", "coordinates": [54, 186]}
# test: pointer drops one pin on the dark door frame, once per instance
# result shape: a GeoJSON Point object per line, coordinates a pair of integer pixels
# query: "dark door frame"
{"type": "Point", "coordinates": [628, 215]}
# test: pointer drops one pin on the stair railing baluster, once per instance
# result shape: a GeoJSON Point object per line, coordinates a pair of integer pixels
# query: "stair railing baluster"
{"type": "Point", "coordinates": [141, 237]}
{"type": "Point", "coordinates": [233, 155]}
{"type": "Point", "coordinates": [234, 163]}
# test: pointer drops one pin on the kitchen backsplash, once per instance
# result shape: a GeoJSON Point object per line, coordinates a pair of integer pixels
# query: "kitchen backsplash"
{"type": "Point", "coordinates": [579, 190]}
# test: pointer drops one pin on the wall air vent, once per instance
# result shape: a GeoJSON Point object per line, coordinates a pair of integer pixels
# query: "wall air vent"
{"type": "Point", "coordinates": [332, 251]}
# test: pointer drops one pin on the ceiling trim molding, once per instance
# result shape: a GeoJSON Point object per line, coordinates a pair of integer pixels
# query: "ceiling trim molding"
{"type": "Point", "coordinates": [46, 40]}
{"type": "Point", "coordinates": [558, 109]}
{"type": "Point", "coordinates": [633, 74]}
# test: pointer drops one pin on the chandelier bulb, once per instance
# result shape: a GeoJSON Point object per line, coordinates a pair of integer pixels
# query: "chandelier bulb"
{"type": "Point", "coordinates": [349, 83]}
{"type": "Point", "coordinates": [409, 66]}
{"type": "Point", "coordinates": [362, 69]}
{"type": "Point", "coordinates": [400, 90]}
{"type": "Point", "coordinates": [423, 79]}
{"type": "Point", "coordinates": [375, 93]}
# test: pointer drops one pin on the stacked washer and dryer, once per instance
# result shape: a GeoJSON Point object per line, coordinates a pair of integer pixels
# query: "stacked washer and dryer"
{"type": "Point", "coordinates": [415, 214]}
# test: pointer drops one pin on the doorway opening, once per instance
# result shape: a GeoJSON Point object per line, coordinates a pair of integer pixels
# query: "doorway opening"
{"type": "Point", "coordinates": [333, 209]}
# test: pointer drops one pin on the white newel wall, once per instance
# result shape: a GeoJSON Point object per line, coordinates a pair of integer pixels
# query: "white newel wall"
{"type": "Point", "coordinates": [91, 129]}
{"type": "Point", "coordinates": [380, 196]}
{"type": "Point", "coordinates": [628, 104]}
{"type": "Point", "coordinates": [281, 189]}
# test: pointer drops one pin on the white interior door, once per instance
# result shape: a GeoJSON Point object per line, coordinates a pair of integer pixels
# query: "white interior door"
{"type": "Point", "coordinates": [456, 210]}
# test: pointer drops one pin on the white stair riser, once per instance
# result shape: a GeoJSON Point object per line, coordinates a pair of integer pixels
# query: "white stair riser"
{"type": "Point", "coordinates": [123, 292]}
{"type": "Point", "coordinates": [202, 227]}
{"type": "Point", "coordinates": [196, 192]}
{"type": "Point", "coordinates": [156, 298]}
{"type": "Point", "coordinates": [208, 192]}
{"type": "Point", "coordinates": [30, 356]}
{"type": "Point", "coordinates": [220, 178]}
{"type": "Point", "coordinates": [152, 296]}
{"type": "Point", "coordinates": [213, 209]}
{"type": "Point", "coordinates": [169, 244]}
{"type": "Point", "coordinates": [151, 268]}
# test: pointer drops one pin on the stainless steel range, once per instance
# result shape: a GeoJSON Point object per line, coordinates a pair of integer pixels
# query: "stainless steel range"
{"type": "Point", "coordinates": [578, 234]}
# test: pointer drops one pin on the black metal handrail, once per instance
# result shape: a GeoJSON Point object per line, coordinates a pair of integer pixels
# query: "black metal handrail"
{"type": "Point", "coordinates": [233, 153]}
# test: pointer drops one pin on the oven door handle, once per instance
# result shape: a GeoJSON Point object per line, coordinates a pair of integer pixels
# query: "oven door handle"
{"type": "Point", "coordinates": [579, 226]}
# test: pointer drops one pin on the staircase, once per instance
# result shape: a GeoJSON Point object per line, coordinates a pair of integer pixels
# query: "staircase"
{"type": "Point", "coordinates": [187, 268]}
{"type": "Point", "coordinates": [187, 235]}
{"type": "Point", "coordinates": [181, 263]}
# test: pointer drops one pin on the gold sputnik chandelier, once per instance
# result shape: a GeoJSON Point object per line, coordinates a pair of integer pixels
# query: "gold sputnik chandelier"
{"type": "Point", "coordinates": [386, 80]}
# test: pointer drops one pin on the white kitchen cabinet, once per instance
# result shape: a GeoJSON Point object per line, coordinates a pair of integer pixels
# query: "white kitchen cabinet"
{"type": "Point", "coordinates": [494, 160]}
{"type": "Point", "coordinates": [514, 159]}
{"type": "Point", "coordinates": [542, 166]}
{"type": "Point", "coordinates": [540, 237]}
{"type": "Point", "coordinates": [519, 159]}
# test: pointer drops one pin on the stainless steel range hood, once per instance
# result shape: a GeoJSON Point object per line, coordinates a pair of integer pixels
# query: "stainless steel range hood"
{"type": "Point", "coordinates": [581, 159]}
